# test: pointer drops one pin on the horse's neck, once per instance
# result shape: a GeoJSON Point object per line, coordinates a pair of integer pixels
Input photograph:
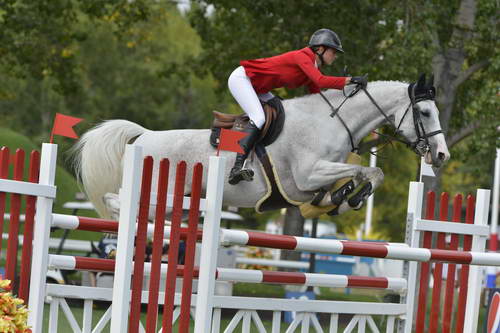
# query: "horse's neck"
{"type": "Point", "coordinates": [362, 116]}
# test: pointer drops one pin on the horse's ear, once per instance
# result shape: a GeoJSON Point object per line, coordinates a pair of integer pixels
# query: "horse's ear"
{"type": "Point", "coordinates": [430, 83]}
{"type": "Point", "coordinates": [421, 80]}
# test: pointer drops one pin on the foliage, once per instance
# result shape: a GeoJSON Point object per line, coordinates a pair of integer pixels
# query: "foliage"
{"type": "Point", "coordinates": [39, 37]}
{"type": "Point", "coordinates": [244, 30]}
{"type": "Point", "coordinates": [389, 40]}
{"type": "Point", "coordinates": [139, 74]}
{"type": "Point", "coordinates": [469, 107]}
{"type": "Point", "coordinates": [136, 60]}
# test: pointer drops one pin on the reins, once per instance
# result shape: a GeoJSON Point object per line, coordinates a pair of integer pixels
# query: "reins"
{"type": "Point", "coordinates": [336, 110]}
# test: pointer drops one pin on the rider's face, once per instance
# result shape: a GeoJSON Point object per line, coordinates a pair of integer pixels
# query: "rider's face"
{"type": "Point", "coordinates": [329, 56]}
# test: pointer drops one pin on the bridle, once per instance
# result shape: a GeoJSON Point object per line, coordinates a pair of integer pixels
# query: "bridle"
{"type": "Point", "coordinates": [417, 94]}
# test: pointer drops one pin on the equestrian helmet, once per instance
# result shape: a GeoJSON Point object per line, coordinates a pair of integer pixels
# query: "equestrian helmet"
{"type": "Point", "coordinates": [326, 37]}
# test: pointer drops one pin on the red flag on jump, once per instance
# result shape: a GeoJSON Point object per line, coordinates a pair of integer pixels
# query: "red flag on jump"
{"type": "Point", "coordinates": [63, 125]}
{"type": "Point", "coordinates": [229, 140]}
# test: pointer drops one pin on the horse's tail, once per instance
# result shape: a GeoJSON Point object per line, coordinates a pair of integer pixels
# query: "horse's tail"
{"type": "Point", "coordinates": [98, 159]}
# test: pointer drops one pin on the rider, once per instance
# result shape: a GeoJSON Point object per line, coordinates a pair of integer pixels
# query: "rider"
{"type": "Point", "coordinates": [252, 82]}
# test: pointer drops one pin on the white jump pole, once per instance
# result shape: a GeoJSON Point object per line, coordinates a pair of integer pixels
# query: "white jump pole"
{"type": "Point", "coordinates": [39, 260]}
{"type": "Point", "coordinates": [414, 212]}
{"type": "Point", "coordinates": [494, 203]}
{"type": "Point", "coordinates": [475, 272]}
{"type": "Point", "coordinates": [210, 244]}
{"type": "Point", "coordinates": [491, 274]}
{"type": "Point", "coordinates": [129, 206]}
{"type": "Point", "coordinates": [369, 203]}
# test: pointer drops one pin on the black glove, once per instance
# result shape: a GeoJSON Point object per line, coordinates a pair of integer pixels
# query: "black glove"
{"type": "Point", "coordinates": [359, 80]}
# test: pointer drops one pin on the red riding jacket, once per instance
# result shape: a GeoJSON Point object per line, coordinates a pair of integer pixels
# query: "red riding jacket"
{"type": "Point", "coordinates": [292, 69]}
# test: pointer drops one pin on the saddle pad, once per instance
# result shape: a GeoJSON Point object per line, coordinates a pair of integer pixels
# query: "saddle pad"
{"type": "Point", "coordinates": [276, 197]}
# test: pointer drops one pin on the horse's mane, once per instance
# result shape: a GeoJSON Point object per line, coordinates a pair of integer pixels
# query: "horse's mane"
{"type": "Point", "coordinates": [335, 94]}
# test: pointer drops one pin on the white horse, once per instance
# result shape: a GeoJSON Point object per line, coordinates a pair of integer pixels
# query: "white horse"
{"type": "Point", "coordinates": [309, 155]}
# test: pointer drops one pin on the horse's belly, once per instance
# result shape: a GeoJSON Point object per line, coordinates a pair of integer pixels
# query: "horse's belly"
{"type": "Point", "coordinates": [192, 146]}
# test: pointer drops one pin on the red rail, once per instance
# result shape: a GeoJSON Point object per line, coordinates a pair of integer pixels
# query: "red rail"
{"type": "Point", "coordinates": [173, 250]}
{"type": "Point", "coordinates": [425, 267]}
{"type": "Point", "coordinates": [154, 282]}
{"type": "Point", "coordinates": [464, 273]}
{"type": "Point", "coordinates": [194, 216]}
{"type": "Point", "coordinates": [140, 245]}
{"type": "Point", "coordinates": [15, 211]}
{"type": "Point", "coordinates": [4, 174]}
{"type": "Point", "coordinates": [452, 268]}
{"type": "Point", "coordinates": [438, 268]}
{"type": "Point", "coordinates": [29, 221]}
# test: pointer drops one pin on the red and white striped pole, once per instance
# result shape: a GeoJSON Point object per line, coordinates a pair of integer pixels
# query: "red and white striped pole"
{"type": "Point", "coordinates": [73, 222]}
{"type": "Point", "coordinates": [29, 225]}
{"type": "Point", "coordinates": [363, 249]}
{"type": "Point", "coordinates": [240, 275]}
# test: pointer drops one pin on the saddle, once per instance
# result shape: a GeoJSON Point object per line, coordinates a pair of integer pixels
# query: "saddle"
{"type": "Point", "coordinates": [275, 119]}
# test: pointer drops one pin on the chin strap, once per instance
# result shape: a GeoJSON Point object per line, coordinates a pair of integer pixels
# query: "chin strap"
{"type": "Point", "coordinates": [320, 55]}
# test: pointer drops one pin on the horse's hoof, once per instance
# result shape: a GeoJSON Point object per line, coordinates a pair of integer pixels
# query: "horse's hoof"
{"type": "Point", "coordinates": [356, 201]}
{"type": "Point", "coordinates": [247, 174]}
{"type": "Point", "coordinates": [341, 194]}
{"type": "Point", "coordinates": [334, 212]}
{"type": "Point", "coordinates": [238, 176]}
{"type": "Point", "coordinates": [318, 197]}
{"type": "Point", "coordinates": [235, 179]}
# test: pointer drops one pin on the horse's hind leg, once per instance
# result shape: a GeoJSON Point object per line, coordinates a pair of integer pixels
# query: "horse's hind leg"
{"type": "Point", "coordinates": [112, 203]}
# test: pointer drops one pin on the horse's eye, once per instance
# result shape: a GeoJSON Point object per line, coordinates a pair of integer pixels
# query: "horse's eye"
{"type": "Point", "coordinates": [425, 113]}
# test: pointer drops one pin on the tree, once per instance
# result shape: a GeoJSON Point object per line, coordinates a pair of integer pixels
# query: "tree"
{"type": "Point", "coordinates": [387, 39]}
{"type": "Point", "coordinates": [458, 39]}
{"type": "Point", "coordinates": [141, 74]}
{"type": "Point", "coordinates": [38, 37]}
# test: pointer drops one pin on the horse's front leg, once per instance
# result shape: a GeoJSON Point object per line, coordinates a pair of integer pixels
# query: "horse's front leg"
{"type": "Point", "coordinates": [324, 174]}
{"type": "Point", "coordinates": [367, 181]}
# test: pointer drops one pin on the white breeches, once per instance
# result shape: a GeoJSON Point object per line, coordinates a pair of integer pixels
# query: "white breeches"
{"type": "Point", "coordinates": [243, 92]}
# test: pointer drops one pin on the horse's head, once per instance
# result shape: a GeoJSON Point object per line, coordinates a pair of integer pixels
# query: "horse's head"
{"type": "Point", "coordinates": [420, 123]}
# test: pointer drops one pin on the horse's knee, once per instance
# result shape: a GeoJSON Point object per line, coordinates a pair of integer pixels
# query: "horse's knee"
{"type": "Point", "coordinates": [378, 175]}
{"type": "Point", "coordinates": [374, 175]}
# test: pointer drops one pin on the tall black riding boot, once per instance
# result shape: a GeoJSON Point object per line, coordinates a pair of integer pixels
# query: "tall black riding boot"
{"type": "Point", "coordinates": [247, 143]}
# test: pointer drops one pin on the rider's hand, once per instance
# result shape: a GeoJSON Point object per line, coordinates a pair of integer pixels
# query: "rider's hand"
{"type": "Point", "coordinates": [359, 80]}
